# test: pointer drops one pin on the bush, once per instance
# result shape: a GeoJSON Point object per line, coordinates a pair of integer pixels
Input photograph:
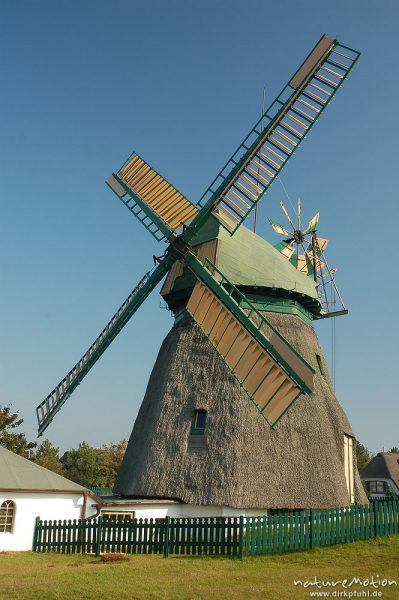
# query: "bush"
{"type": "Point", "coordinates": [108, 557]}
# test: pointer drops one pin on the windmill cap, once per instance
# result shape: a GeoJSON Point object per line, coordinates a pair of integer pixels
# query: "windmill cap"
{"type": "Point", "coordinates": [246, 259]}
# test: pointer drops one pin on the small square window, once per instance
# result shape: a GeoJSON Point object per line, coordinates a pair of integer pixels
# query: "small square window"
{"type": "Point", "coordinates": [199, 422]}
{"type": "Point", "coordinates": [376, 487]}
{"type": "Point", "coordinates": [119, 516]}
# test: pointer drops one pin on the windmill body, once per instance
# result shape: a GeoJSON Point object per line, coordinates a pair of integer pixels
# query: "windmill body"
{"type": "Point", "coordinates": [236, 462]}
{"type": "Point", "coordinates": [239, 411]}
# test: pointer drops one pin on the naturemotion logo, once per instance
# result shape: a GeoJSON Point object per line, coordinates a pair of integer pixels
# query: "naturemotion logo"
{"type": "Point", "coordinates": [372, 587]}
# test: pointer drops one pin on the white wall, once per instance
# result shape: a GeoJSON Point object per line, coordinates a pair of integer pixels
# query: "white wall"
{"type": "Point", "coordinates": [160, 511]}
{"type": "Point", "coordinates": [46, 506]}
{"type": "Point", "coordinates": [69, 506]}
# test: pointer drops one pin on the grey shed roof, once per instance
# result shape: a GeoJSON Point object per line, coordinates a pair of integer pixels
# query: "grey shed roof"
{"type": "Point", "coordinates": [19, 474]}
{"type": "Point", "coordinates": [385, 465]}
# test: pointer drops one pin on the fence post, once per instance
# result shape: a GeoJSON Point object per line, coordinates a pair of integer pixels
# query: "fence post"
{"type": "Point", "coordinates": [166, 537]}
{"type": "Point", "coordinates": [241, 537]}
{"type": "Point", "coordinates": [311, 528]}
{"type": "Point", "coordinates": [98, 538]}
{"type": "Point", "coordinates": [35, 534]}
{"type": "Point", "coordinates": [376, 519]}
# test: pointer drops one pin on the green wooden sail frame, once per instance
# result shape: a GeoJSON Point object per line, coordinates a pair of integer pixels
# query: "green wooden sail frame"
{"type": "Point", "coordinates": [169, 215]}
{"type": "Point", "coordinates": [263, 153]}
{"type": "Point", "coordinates": [59, 395]}
{"type": "Point", "coordinates": [271, 372]}
{"type": "Point", "coordinates": [261, 156]}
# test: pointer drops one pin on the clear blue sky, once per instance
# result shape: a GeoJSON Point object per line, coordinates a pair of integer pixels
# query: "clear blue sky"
{"type": "Point", "coordinates": [180, 81]}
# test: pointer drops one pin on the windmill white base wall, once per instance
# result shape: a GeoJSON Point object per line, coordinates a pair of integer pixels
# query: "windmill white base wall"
{"type": "Point", "coordinates": [142, 509]}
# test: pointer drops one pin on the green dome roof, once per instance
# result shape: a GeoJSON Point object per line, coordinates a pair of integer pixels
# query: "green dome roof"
{"type": "Point", "coordinates": [248, 260]}
{"type": "Point", "coordinates": [268, 280]}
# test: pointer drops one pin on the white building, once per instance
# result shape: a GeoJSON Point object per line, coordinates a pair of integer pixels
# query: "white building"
{"type": "Point", "coordinates": [381, 475]}
{"type": "Point", "coordinates": [27, 491]}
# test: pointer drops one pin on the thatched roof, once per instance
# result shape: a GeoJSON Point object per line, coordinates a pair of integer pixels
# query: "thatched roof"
{"type": "Point", "coordinates": [243, 463]}
{"type": "Point", "coordinates": [384, 465]}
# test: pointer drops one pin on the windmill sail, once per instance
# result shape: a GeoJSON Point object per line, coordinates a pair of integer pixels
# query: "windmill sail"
{"type": "Point", "coordinates": [167, 213]}
{"type": "Point", "coordinates": [58, 396]}
{"type": "Point", "coordinates": [259, 159]}
{"type": "Point", "coordinates": [161, 208]}
{"type": "Point", "coordinates": [271, 372]}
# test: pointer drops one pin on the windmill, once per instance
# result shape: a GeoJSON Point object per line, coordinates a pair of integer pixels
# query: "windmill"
{"type": "Point", "coordinates": [305, 250]}
{"type": "Point", "coordinates": [256, 355]}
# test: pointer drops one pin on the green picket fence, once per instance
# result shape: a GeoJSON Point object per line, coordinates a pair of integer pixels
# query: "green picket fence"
{"type": "Point", "coordinates": [81, 536]}
{"type": "Point", "coordinates": [225, 536]}
{"type": "Point", "coordinates": [212, 535]}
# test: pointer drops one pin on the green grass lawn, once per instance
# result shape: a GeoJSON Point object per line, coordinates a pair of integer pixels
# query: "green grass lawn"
{"type": "Point", "coordinates": [55, 576]}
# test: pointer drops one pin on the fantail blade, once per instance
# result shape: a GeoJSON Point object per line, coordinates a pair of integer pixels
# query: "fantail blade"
{"type": "Point", "coordinates": [278, 228]}
{"type": "Point", "coordinates": [299, 213]}
{"type": "Point", "coordinates": [287, 215]}
{"type": "Point", "coordinates": [322, 243]}
{"type": "Point", "coordinates": [285, 249]}
{"type": "Point", "coordinates": [312, 223]}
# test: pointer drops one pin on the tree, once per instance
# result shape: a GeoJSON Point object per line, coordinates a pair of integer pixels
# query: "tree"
{"type": "Point", "coordinates": [47, 456]}
{"type": "Point", "coordinates": [83, 465]}
{"type": "Point", "coordinates": [112, 458]}
{"type": "Point", "coordinates": [9, 438]}
{"type": "Point", "coordinates": [393, 450]}
{"type": "Point", "coordinates": [95, 467]}
{"type": "Point", "coordinates": [363, 455]}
